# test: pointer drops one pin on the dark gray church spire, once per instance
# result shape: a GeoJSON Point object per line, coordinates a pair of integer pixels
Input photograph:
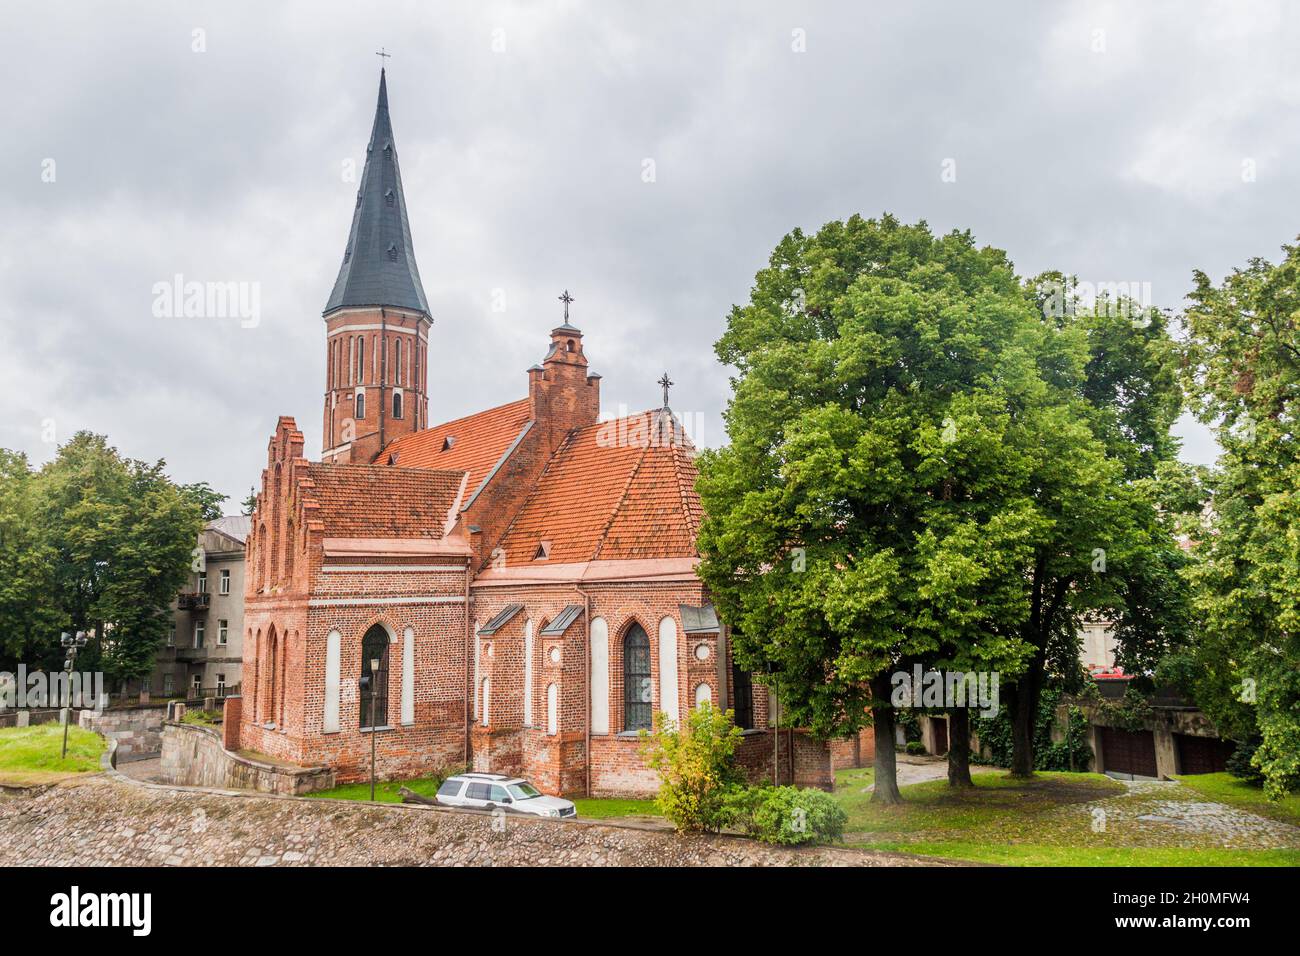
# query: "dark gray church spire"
{"type": "Point", "coordinates": [379, 263]}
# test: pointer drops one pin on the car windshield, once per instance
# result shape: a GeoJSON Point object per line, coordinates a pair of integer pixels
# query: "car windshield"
{"type": "Point", "coordinates": [524, 791]}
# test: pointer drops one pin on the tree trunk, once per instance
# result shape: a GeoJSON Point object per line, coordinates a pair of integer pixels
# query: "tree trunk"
{"type": "Point", "coordinates": [959, 748]}
{"type": "Point", "coordinates": [1024, 715]}
{"type": "Point", "coordinates": [886, 776]}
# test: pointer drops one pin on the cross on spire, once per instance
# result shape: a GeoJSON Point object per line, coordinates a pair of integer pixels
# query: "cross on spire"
{"type": "Point", "coordinates": [386, 56]}
{"type": "Point", "coordinates": [566, 299]}
{"type": "Point", "coordinates": [667, 383]}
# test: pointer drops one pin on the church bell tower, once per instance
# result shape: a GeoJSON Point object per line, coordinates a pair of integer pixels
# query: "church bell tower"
{"type": "Point", "coordinates": [377, 319]}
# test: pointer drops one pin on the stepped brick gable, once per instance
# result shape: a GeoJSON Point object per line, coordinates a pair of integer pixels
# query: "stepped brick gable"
{"type": "Point", "coordinates": [514, 590]}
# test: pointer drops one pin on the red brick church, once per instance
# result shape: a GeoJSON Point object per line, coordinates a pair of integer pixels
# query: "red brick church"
{"type": "Point", "coordinates": [514, 590]}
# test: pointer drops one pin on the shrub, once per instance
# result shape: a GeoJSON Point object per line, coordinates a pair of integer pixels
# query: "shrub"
{"type": "Point", "coordinates": [915, 747]}
{"type": "Point", "coordinates": [786, 815]}
{"type": "Point", "coordinates": [695, 767]}
{"type": "Point", "coordinates": [1240, 764]}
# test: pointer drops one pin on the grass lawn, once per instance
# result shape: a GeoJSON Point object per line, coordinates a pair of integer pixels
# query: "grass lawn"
{"type": "Point", "coordinates": [594, 808]}
{"type": "Point", "coordinates": [1047, 821]}
{"type": "Point", "coordinates": [386, 791]}
{"type": "Point", "coordinates": [30, 755]}
{"type": "Point", "coordinates": [1226, 788]}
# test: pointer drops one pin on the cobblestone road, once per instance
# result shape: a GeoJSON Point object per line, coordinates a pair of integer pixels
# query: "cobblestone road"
{"type": "Point", "coordinates": [102, 821]}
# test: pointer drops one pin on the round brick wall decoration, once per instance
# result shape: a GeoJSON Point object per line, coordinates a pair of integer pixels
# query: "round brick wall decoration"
{"type": "Point", "coordinates": [555, 655]}
{"type": "Point", "coordinates": [701, 652]}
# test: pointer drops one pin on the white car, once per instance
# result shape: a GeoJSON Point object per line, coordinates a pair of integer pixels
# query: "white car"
{"type": "Point", "coordinates": [488, 791]}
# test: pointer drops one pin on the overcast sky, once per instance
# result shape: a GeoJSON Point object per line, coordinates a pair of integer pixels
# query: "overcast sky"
{"type": "Point", "coordinates": [1119, 142]}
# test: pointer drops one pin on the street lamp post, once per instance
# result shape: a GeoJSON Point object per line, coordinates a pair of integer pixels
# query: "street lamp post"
{"type": "Point", "coordinates": [71, 643]}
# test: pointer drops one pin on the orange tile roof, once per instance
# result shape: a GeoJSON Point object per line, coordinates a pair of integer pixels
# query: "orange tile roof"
{"type": "Point", "coordinates": [372, 501]}
{"type": "Point", "coordinates": [608, 497]}
{"type": "Point", "coordinates": [478, 442]}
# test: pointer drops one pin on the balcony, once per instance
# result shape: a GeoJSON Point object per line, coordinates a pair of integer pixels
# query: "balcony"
{"type": "Point", "coordinates": [194, 601]}
{"type": "Point", "coordinates": [191, 653]}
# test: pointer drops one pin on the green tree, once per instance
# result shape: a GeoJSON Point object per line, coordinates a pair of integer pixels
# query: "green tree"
{"type": "Point", "coordinates": [1242, 370]}
{"type": "Point", "coordinates": [876, 504]}
{"type": "Point", "coordinates": [122, 538]}
{"type": "Point", "coordinates": [28, 617]}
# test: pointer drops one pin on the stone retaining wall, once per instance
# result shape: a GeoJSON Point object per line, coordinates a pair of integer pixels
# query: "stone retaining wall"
{"type": "Point", "coordinates": [137, 730]}
{"type": "Point", "coordinates": [193, 756]}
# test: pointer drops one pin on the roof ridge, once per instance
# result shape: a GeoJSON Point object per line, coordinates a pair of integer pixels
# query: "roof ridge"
{"type": "Point", "coordinates": [618, 505]}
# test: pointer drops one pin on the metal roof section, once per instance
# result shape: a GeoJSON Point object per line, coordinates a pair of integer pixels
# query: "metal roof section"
{"type": "Point", "coordinates": [379, 262]}
{"type": "Point", "coordinates": [501, 620]}
{"type": "Point", "coordinates": [562, 621]}
{"type": "Point", "coordinates": [699, 620]}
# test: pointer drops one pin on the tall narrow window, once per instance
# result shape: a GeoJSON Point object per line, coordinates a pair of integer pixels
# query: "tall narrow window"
{"type": "Point", "coordinates": [636, 680]}
{"type": "Point", "coordinates": [225, 581]}
{"type": "Point", "coordinates": [361, 359]}
{"type": "Point", "coordinates": [397, 404]}
{"type": "Point", "coordinates": [397, 346]}
{"type": "Point", "coordinates": [198, 633]}
{"type": "Point", "coordinates": [374, 646]}
{"type": "Point", "coordinates": [742, 698]}
{"type": "Point", "coordinates": [360, 412]}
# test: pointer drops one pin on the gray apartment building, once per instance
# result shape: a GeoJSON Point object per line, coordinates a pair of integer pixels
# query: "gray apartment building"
{"type": "Point", "coordinates": [204, 652]}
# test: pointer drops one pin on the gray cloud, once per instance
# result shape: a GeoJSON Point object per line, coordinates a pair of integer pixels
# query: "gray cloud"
{"type": "Point", "coordinates": [522, 171]}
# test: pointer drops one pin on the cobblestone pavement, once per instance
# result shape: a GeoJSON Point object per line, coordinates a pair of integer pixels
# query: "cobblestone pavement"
{"type": "Point", "coordinates": [1175, 815]}
{"type": "Point", "coordinates": [103, 821]}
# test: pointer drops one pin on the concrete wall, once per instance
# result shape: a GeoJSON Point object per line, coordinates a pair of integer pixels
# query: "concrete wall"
{"type": "Point", "coordinates": [137, 730]}
{"type": "Point", "coordinates": [193, 756]}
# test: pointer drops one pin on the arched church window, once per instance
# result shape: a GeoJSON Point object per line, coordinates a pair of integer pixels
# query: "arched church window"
{"type": "Point", "coordinates": [636, 680]}
{"type": "Point", "coordinates": [374, 646]}
{"type": "Point", "coordinates": [397, 404]}
{"type": "Point", "coordinates": [361, 406]}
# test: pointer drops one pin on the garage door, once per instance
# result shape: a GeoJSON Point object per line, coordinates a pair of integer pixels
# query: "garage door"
{"type": "Point", "coordinates": [1125, 751]}
{"type": "Point", "coordinates": [1202, 754]}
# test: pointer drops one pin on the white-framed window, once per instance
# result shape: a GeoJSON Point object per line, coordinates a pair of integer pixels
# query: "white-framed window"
{"type": "Point", "coordinates": [198, 633]}
{"type": "Point", "coordinates": [221, 685]}
{"type": "Point", "coordinates": [196, 685]}
{"type": "Point", "coordinates": [171, 636]}
{"type": "Point", "coordinates": [223, 632]}
{"type": "Point", "coordinates": [203, 582]}
{"type": "Point", "coordinates": [169, 685]}
{"type": "Point", "coordinates": [224, 586]}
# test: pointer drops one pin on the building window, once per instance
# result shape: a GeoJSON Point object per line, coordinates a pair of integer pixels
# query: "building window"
{"type": "Point", "coordinates": [223, 632]}
{"type": "Point", "coordinates": [636, 680]}
{"type": "Point", "coordinates": [361, 359]}
{"type": "Point", "coordinates": [203, 582]}
{"type": "Point", "coordinates": [198, 633]}
{"type": "Point", "coordinates": [397, 404]}
{"type": "Point", "coordinates": [374, 646]}
{"type": "Point", "coordinates": [171, 636]}
{"type": "Point", "coordinates": [224, 587]}
{"type": "Point", "coordinates": [742, 698]}
{"type": "Point", "coordinates": [196, 686]}
{"type": "Point", "coordinates": [169, 685]}
{"type": "Point", "coordinates": [360, 412]}
{"type": "Point", "coordinates": [221, 685]}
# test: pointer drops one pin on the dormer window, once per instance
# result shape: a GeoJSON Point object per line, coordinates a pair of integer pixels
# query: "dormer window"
{"type": "Point", "coordinates": [543, 551]}
{"type": "Point", "coordinates": [389, 197]}
{"type": "Point", "coordinates": [392, 459]}
{"type": "Point", "coordinates": [392, 252]}
{"type": "Point", "coordinates": [448, 442]}
{"type": "Point", "coordinates": [358, 197]}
